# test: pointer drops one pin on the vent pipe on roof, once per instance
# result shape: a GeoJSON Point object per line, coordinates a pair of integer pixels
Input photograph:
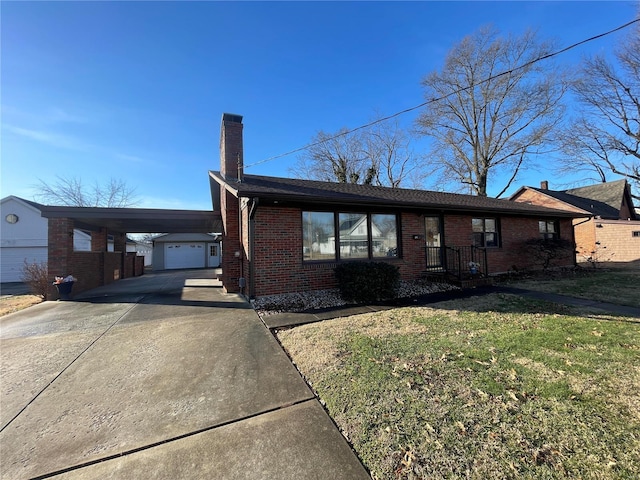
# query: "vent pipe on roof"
{"type": "Point", "coordinates": [544, 185]}
{"type": "Point", "coordinates": [231, 148]}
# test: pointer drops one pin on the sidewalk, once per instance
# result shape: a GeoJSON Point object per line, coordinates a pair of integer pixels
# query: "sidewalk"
{"type": "Point", "coordinates": [613, 308]}
{"type": "Point", "coordinates": [289, 319]}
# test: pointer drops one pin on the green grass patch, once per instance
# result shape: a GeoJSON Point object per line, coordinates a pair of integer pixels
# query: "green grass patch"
{"type": "Point", "coordinates": [487, 387]}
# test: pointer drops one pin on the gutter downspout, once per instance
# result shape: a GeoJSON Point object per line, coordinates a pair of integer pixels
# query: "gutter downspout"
{"type": "Point", "coordinates": [241, 279]}
{"type": "Point", "coordinates": [252, 230]}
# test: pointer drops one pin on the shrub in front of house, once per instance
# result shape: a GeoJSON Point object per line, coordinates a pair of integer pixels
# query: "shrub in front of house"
{"type": "Point", "coordinates": [363, 282]}
{"type": "Point", "coordinates": [545, 252]}
{"type": "Point", "coordinates": [36, 275]}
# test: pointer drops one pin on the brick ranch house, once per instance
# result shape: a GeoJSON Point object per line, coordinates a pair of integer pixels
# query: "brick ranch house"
{"type": "Point", "coordinates": [283, 235]}
{"type": "Point", "coordinates": [607, 228]}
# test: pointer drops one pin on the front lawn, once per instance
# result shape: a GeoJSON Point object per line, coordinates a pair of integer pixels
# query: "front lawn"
{"type": "Point", "coordinates": [621, 286]}
{"type": "Point", "coordinates": [15, 303]}
{"type": "Point", "coordinates": [485, 387]}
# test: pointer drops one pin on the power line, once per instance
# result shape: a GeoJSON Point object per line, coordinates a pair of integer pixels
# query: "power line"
{"type": "Point", "coordinates": [433, 100]}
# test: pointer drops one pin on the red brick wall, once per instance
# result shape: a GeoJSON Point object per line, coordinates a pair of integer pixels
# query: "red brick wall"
{"type": "Point", "coordinates": [537, 198]}
{"type": "Point", "coordinates": [92, 269]}
{"type": "Point", "coordinates": [60, 250]}
{"type": "Point", "coordinates": [230, 148]}
{"type": "Point", "coordinates": [278, 254]}
{"type": "Point", "coordinates": [129, 265]}
{"type": "Point", "coordinates": [139, 266]}
{"type": "Point", "coordinates": [585, 238]}
{"type": "Point", "coordinates": [87, 268]}
{"type": "Point", "coordinates": [514, 232]}
{"type": "Point", "coordinates": [99, 241]}
{"type": "Point", "coordinates": [112, 267]}
{"type": "Point", "coordinates": [279, 268]}
{"type": "Point", "coordinates": [231, 265]}
{"type": "Point", "coordinates": [413, 262]}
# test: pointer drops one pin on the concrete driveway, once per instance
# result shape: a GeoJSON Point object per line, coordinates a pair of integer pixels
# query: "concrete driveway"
{"type": "Point", "coordinates": [161, 376]}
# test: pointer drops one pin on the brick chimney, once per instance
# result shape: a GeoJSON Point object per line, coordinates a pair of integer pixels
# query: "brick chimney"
{"type": "Point", "coordinates": [231, 152]}
{"type": "Point", "coordinates": [544, 185]}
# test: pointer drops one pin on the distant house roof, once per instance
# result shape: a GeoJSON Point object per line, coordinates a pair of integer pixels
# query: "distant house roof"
{"type": "Point", "coordinates": [33, 204]}
{"type": "Point", "coordinates": [604, 200]}
{"type": "Point", "coordinates": [299, 191]}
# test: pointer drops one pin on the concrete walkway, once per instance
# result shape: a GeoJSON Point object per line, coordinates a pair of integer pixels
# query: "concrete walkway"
{"type": "Point", "coordinates": [161, 376]}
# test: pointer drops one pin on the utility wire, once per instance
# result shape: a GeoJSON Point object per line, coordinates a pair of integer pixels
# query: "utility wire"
{"type": "Point", "coordinates": [443, 97]}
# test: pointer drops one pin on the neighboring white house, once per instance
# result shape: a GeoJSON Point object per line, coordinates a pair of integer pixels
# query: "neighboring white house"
{"type": "Point", "coordinates": [24, 237]}
{"type": "Point", "coordinates": [186, 250]}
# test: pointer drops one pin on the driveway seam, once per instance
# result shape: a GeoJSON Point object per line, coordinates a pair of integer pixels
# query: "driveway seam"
{"type": "Point", "coordinates": [42, 390]}
{"type": "Point", "coordinates": [171, 439]}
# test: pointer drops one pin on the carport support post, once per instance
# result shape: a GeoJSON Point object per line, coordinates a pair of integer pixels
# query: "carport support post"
{"type": "Point", "coordinates": [120, 245]}
{"type": "Point", "coordinates": [99, 240]}
{"type": "Point", "coordinates": [60, 250]}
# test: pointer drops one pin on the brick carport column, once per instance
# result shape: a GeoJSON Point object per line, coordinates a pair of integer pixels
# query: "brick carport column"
{"type": "Point", "coordinates": [60, 250]}
{"type": "Point", "coordinates": [120, 245]}
{"type": "Point", "coordinates": [99, 240]}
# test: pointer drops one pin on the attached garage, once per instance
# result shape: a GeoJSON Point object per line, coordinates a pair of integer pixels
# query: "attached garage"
{"type": "Point", "coordinates": [183, 250]}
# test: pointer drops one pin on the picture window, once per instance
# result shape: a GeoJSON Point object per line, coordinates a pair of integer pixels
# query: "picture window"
{"type": "Point", "coordinates": [359, 236]}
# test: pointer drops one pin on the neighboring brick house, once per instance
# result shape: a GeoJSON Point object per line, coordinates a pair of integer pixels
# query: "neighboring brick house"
{"type": "Point", "coordinates": [287, 235]}
{"type": "Point", "coordinates": [607, 229]}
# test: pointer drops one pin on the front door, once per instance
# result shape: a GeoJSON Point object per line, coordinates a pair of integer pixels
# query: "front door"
{"type": "Point", "coordinates": [433, 242]}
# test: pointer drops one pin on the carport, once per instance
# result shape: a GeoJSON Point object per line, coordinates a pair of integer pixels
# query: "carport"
{"type": "Point", "coordinates": [100, 267]}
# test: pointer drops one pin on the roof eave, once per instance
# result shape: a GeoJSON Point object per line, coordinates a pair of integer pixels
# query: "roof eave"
{"type": "Point", "coordinates": [297, 199]}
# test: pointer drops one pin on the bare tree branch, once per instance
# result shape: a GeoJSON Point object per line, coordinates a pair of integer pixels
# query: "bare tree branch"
{"type": "Point", "coordinates": [71, 192]}
{"type": "Point", "coordinates": [605, 137]}
{"type": "Point", "coordinates": [490, 126]}
{"type": "Point", "coordinates": [379, 155]}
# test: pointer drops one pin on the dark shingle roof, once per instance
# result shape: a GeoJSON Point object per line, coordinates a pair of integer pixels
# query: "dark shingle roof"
{"type": "Point", "coordinates": [603, 199]}
{"type": "Point", "coordinates": [312, 191]}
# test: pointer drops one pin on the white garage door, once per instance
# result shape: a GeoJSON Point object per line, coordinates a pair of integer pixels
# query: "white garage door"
{"type": "Point", "coordinates": [12, 261]}
{"type": "Point", "coordinates": [184, 255]}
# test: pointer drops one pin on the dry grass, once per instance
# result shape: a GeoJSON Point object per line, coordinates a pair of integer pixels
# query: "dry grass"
{"type": "Point", "coordinates": [487, 387]}
{"type": "Point", "coordinates": [17, 302]}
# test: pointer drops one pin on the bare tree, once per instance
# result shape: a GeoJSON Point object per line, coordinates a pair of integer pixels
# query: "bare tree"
{"type": "Point", "coordinates": [392, 156]}
{"type": "Point", "coordinates": [605, 138]}
{"type": "Point", "coordinates": [338, 157]}
{"type": "Point", "coordinates": [494, 107]}
{"type": "Point", "coordinates": [378, 155]}
{"type": "Point", "coordinates": [70, 191]}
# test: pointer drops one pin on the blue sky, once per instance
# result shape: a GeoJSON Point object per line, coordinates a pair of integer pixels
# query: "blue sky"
{"type": "Point", "coordinates": [136, 90]}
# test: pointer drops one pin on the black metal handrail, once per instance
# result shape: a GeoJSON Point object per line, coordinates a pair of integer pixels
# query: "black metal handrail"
{"type": "Point", "coordinates": [460, 261]}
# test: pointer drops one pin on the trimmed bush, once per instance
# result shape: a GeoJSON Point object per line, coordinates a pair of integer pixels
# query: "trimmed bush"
{"type": "Point", "coordinates": [364, 282]}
